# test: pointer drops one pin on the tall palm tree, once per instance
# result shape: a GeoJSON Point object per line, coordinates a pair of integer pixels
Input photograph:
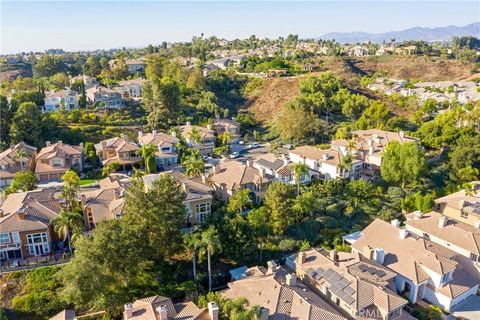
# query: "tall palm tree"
{"type": "Point", "coordinates": [21, 155]}
{"type": "Point", "coordinates": [226, 137]}
{"type": "Point", "coordinates": [194, 164]}
{"type": "Point", "coordinates": [65, 222]}
{"type": "Point", "coordinates": [193, 242]}
{"type": "Point", "coordinates": [147, 152]}
{"type": "Point", "coordinates": [194, 136]}
{"type": "Point", "coordinates": [210, 245]}
{"type": "Point", "coordinates": [299, 170]}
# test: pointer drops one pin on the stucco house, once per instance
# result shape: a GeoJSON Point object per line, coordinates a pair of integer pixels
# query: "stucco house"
{"type": "Point", "coordinates": [55, 159]}
{"type": "Point", "coordinates": [68, 99]}
{"type": "Point", "coordinates": [11, 163]}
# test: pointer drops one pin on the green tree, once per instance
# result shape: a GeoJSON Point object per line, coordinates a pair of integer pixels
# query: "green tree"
{"type": "Point", "coordinates": [92, 67]}
{"type": "Point", "coordinates": [293, 123]}
{"type": "Point", "coordinates": [26, 125]}
{"type": "Point", "coordinates": [147, 152]}
{"type": "Point", "coordinates": [65, 222]}
{"type": "Point", "coordinates": [23, 180]}
{"type": "Point", "coordinates": [258, 220]}
{"type": "Point", "coordinates": [193, 242]}
{"type": "Point", "coordinates": [48, 65]}
{"type": "Point", "coordinates": [240, 201]}
{"type": "Point", "coordinates": [300, 170]}
{"type": "Point", "coordinates": [21, 155]}
{"type": "Point", "coordinates": [374, 117]}
{"type": "Point", "coordinates": [194, 164]}
{"type": "Point", "coordinates": [71, 186]}
{"type": "Point", "coordinates": [403, 164]}
{"type": "Point", "coordinates": [161, 100]}
{"type": "Point", "coordinates": [210, 245]}
{"type": "Point", "coordinates": [91, 154]}
{"type": "Point", "coordinates": [278, 203]}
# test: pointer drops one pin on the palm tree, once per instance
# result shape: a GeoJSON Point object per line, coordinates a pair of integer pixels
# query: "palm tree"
{"type": "Point", "coordinates": [299, 169]}
{"type": "Point", "coordinates": [193, 241]}
{"type": "Point", "coordinates": [147, 152]}
{"type": "Point", "coordinates": [240, 200]}
{"type": "Point", "coordinates": [20, 154]}
{"type": "Point", "coordinates": [65, 222]}
{"type": "Point", "coordinates": [194, 164]}
{"type": "Point", "coordinates": [210, 245]}
{"type": "Point", "coordinates": [346, 162]}
{"type": "Point", "coordinates": [194, 136]}
{"type": "Point", "coordinates": [226, 137]}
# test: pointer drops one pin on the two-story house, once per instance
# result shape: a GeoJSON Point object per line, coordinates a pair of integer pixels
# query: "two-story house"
{"type": "Point", "coordinates": [104, 98]}
{"type": "Point", "coordinates": [106, 202]}
{"type": "Point", "coordinates": [118, 150]}
{"type": "Point", "coordinates": [199, 195]}
{"type": "Point", "coordinates": [55, 159]}
{"type": "Point", "coordinates": [67, 99]}
{"type": "Point", "coordinates": [358, 286]}
{"type": "Point", "coordinates": [462, 206]}
{"type": "Point", "coordinates": [88, 81]}
{"type": "Point", "coordinates": [228, 125]}
{"type": "Point", "coordinates": [130, 89]}
{"type": "Point", "coordinates": [199, 137]}
{"type": "Point", "coordinates": [14, 159]}
{"type": "Point", "coordinates": [277, 168]}
{"type": "Point", "coordinates": [25, 224]}
{"type": "Point", "coordinates": [166, 155]}
{"type": "Point", "coordinates": [231, 176]}
{"type": "Point", "coordinates": [425, 270]}
{"type": "Point", "coordinates": [327, 164]}
{"type": "Point", "coordinates": [135, 66]}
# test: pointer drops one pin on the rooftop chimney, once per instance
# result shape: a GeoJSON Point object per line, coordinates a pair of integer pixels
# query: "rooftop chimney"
{"type": "Point", "coordinates": [204, 178]}
{"type": "Point", "coordinates": [325, 156]}
{"type": "Point", "coordinates": [271, 267]}
{"type": "Point", "coordinates": [234, 119]}
{"type": "Point", "coordinates": [262, 172]}
{"type": "Point", "coordinates": [185, 187]}
{"type": "Point", "coordinates": [48, 143]}
{"type": "Point", "coordinates": [302, 256]}
{"type": "Point", "coordinates": [291, 279]}
{"type": "Point", "coordinates": [189, 123]}
{"type": "Point", "coordinates": [174, 134]}
{"type": "Point", "coordinates": [395, 223]}
{"type": "Point", "coordinates": [403, 233]}
{"type": "Point", "coordinates": [370, 150]}
{"type": "Point", "coordinates": [154, 132]}
{"type": "Point", "coordinates": [379, 255]}
{"type": "Point", "coordinates": [461, 203]}
{"type": "Point", "coordinates": [213, 310]}
{"type": "Point", "coordinates": [59, 142]}
{"type": "Point", "coordinates": [477, 223]}
{"type": "Point", "coordinates": [122, 135]}
{"type": "Point", "coordinates": [140, 133]}
{"type": "Point", "coordinates": [417, 215]}
{"type": "Point", "coordinates": [162, 312]}
{"type": "Point", "coordinates": [368, 252]}
{"type": "Point", "coordinates": [128, 310]}
{"type": "Point", "coordinates": [334, 255]}
{"type": "Point", "coordinates": [249, 163]}
{"type": "Point", "coordinates": [442, 221]}
{"type": "Point", "coordinates": [402, 134]}
{"type": "Point", "coordinates": [209, 126]}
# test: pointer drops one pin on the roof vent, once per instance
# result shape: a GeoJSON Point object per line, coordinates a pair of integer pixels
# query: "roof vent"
{"type": "Point", "coordinates": [417, 215]}
{"type": "Point", "coordinates": [403, 233]}
{"type": "Point", "coordinates": [395, 223]}
{"type": "Point", "coordinates": [442, 221]}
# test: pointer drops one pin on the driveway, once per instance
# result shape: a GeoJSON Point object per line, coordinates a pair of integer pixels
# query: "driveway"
{"type": "Point", "coordinates": [468, 309]}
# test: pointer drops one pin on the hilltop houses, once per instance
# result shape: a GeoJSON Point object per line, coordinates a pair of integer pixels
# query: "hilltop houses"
{"type": "Point", "coordinates": [67, 99]}
{"type": "Point", "coordinates": [199, 137]}
{"type": "Point", "coordinates": [104, 98]}
{"type": "Point", "coordinates": [228, 125]}
{"type": "Point", "coordinates": [166, 155]}
{"type": "Point", "coordinates": [14, 159]}
{"type": "Point", "coordinates": [130, 89]}
{"type": "Point", "coordinates": [119, 150]}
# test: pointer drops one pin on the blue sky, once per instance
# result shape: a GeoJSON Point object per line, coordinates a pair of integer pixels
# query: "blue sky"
{"type": "Point", "coordinates": [71, 25]}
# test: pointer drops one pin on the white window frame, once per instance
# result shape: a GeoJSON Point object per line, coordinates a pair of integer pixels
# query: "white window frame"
{"type": "Point", "coordinates": [4, 237]}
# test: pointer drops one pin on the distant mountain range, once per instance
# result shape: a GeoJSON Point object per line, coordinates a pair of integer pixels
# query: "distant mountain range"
{"type": "Point", "coordinates": [416, 33]}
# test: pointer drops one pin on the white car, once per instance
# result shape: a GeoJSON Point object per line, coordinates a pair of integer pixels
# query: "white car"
{"type": "Point", "coordinates": [234, 155]}
{"type": "Point", "coordinates": [241, 142]}
{"type": "Point", "coordinates": [253, 145]}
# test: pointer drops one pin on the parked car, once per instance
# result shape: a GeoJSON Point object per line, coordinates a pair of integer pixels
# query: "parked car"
{"type": "Point", "coordinates": [241, 142]}
{"type": "Point", "coordinates": [253, 145]}
{"type": "Point", "coordinates": [234, 155]}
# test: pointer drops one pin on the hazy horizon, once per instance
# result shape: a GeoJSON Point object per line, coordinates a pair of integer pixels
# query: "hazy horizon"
{"type": "Point", "coordinates": [72, 26]}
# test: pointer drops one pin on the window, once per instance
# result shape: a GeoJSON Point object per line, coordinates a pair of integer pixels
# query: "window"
{"type": "Point", "coordinates": [38, 244]}
{"type": "Point", "coordinates": [16, 237]}
{"type": "Point", "coordinates": [464, 214]}
{"type": "Point", "coordinates": [201, 211]}
{"type": "Point", "coordinates": [4, 238]}
{"type": "Point", "coordinates": [57, 163]}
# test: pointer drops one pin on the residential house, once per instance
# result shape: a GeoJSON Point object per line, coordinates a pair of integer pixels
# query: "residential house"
{"type": "Point", "coordinates": [326, 164]}
{"type": "Point", "coordinates": [118, 150]}
{"type": "Point", "coordinates": [231, 176]}
{"type": "Point", "coordinates": [11, 163]}
{"type": "Point", "coordinates": [64, 315]}
{"type": "Point", "coordinates": [68, 99]}
{"type": "Point", "coordinates": [104, 98]}
{"type": "Point", "coordinates": [280, 295]}
{"type": "Point", "coordinates": [88, 81]}
{"type": "Point", "coordinates": [199, 195]}
{"type": "Point", "coordinates": [209, 68]}
{"type": "Point", "coordinates": [162, 308]}
{"type": "Point", "coordinates": [457, 236]}
{"type": "Point", "coordinates": [130, 89]}
{"type": "Point", "coordinates": [228, 125]}
{"type": "Point", "coordinates": [106, 202]}
{"type": "Point", "coordinates": [206, 138]}
{"type": "Point", "coordinates": [425, 270]}
{"type": "Point", "coordinates": [135, 66]}
{"type": "Point", "coordinates": [25, 229]}
{"type": "Point", "coordinates": [358, 286]}
{"type": "Point", "coordinates": [368, 146]}
{"type": "Point", "coordinates": [382, 51]}
{"type": "Point", "coordinates": [55, 159]}
{"type": "Point", "coordinates": [358, 51]}
{"type": "Point", "coordinates": [277, 168]}
{"type": "Point", "coordinates": [166, 155]}
{"type": "Point", "coordinates": [462, 206]}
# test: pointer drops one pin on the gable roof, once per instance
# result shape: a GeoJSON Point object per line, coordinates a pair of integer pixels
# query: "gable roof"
{"type": "Point", "coordinates": [234, 174]}
{"type": "Point", "coordinates": [146, 309]}
{"type": "Point", "coordinates": [158, 139]}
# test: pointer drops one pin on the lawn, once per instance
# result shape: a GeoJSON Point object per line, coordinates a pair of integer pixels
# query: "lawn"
{"type": "Point", "coordinates": [84, 182]}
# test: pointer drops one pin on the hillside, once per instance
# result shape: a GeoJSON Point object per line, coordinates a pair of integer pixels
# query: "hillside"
{"type": "Point", "coordinates": [269, 98]}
